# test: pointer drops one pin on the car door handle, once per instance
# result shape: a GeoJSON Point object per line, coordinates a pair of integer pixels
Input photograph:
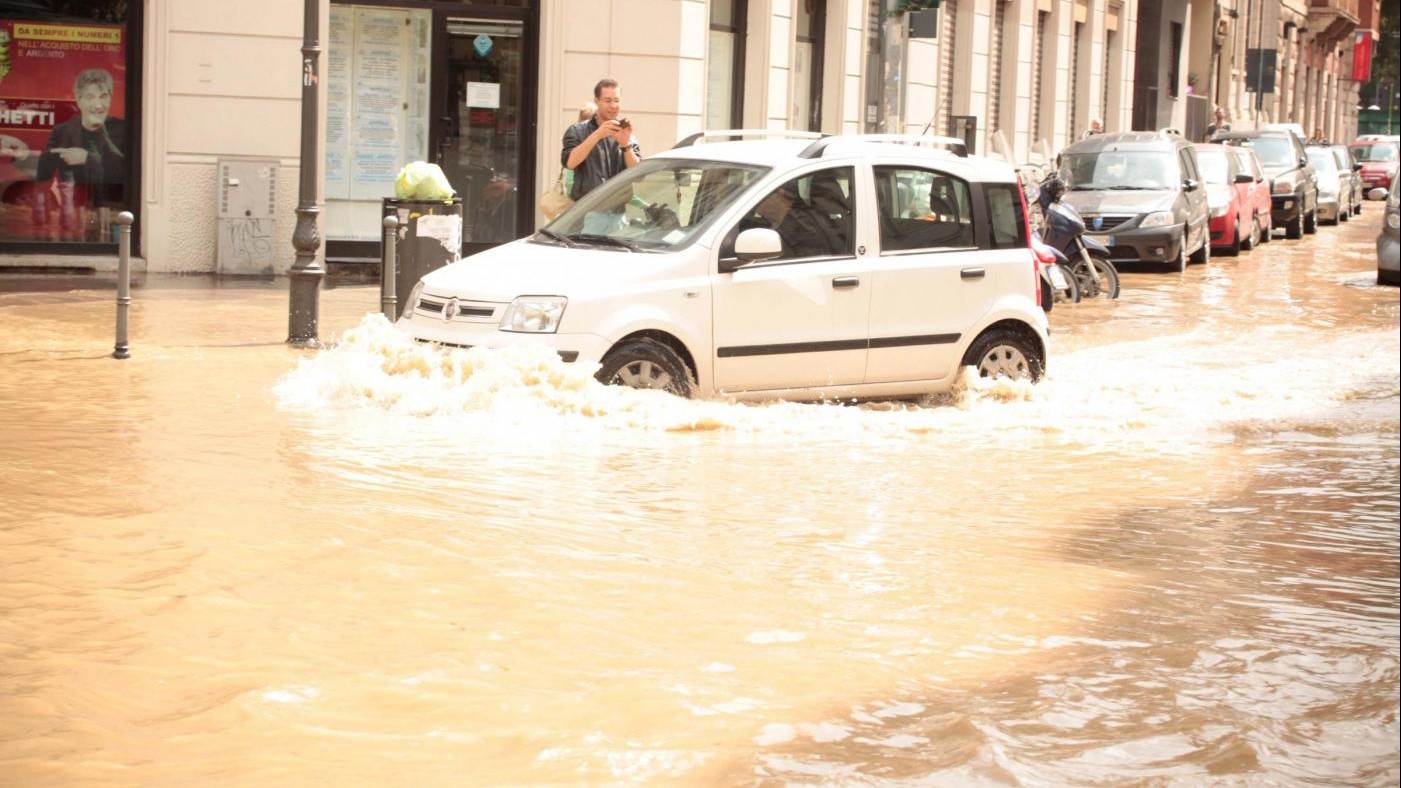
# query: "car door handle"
{"type": "Point", "coordinates": [973, 273]}
{"type": "Point", "coordinates": [846, 281]}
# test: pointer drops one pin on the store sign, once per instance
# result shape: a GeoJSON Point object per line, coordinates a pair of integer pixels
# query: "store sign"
{"type": "Point", "coordinates": [63, 141]}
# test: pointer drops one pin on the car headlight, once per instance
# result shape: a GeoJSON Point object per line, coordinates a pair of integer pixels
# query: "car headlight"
{"type": "Point", "coordinates": [534, 314]}
{"type": "Point", "coordinates": [1157, 219]}
{"type": "Point", "coordinates": [411, 303]}
{"type": "Point", "coordinates": [1284, 186]}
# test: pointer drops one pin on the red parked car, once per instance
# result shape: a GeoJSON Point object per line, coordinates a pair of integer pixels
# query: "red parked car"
{"type": "Point", "coordinates": [1256, 194]}
{"type": "Point", "coordinates": [1235, 219]}
{"type": "Point", "coordinates": [1379, 159]}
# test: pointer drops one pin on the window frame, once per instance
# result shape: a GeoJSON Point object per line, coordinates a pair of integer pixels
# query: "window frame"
{"type": "Point", "coordinates": [724, 251]}
{"type": "Point", "coordinates": [740, 30]}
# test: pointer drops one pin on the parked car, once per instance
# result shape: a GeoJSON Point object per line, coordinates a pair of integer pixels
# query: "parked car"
{"type": "Point", "coordinates": [1331, 184]}
{"type": "Point", "coordinates": [1388, 245]}
{"type": "Point", "coordinates": [1380, 160]}
{"type": "Point", "coordinates": [1140, 194]}
{"type": "Point", "coordinates": [782, 267]}
{"type": "Point", "coordinates": [1227, 190]}
{"type": "Point", "coordinates": [1257, 194]}
{"type": "Point", "coordinates": [1356, 189]}
{"type": "Point", "coordinates": [1296, 129]}
{"type": "Point", "coordinates": [1293, 187]}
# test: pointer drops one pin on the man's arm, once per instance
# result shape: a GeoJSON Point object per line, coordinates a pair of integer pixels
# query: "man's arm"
{"type": "Point", "coordinates": [576, 150]}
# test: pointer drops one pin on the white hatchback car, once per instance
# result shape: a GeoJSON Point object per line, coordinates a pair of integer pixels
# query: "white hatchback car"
{"type": "Point", "coordinates": [796, 266]}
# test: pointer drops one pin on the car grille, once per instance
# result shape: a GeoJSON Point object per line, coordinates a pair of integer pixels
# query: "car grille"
{"type": "Point", "coordinates": [466, 310]}
{"type": "Point", "coordinates": [1107, 222]}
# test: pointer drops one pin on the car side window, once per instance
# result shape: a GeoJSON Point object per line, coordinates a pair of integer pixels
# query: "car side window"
{"type": "Point", "coordinates": [814, 215]}
{"type": "Point", "coordinates": [922, 209]}
{"type": "Point", "coordinates": [1189, 165]}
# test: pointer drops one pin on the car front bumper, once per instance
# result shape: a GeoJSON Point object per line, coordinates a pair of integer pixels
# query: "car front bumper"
{"type": "Point", "coordinates": [1156, 245]}
{"type": "Point", "coordinates": [1223, 230]}
{"type": "Point", "coordinates": [1328, 208]}
{"type": "Point", "coordinates": [575, 348]}
{"type": "Point", "coordinates": [1285, 208]}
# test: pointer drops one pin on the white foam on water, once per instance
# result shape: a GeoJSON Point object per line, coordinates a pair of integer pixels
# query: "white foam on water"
{"type": "Point", "coordinates": [1174, 393]}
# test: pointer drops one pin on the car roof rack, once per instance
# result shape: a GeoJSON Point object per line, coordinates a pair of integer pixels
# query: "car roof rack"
{"type": "Point", "coordinates": [733, 134]}
{"type": "Point", "coordinates": [954, 144]}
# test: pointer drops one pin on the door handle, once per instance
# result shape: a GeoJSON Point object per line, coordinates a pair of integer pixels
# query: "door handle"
{"type": "Point", "coordinates": [845, 281]}
{"type": "Point", "coordinates": [973, 273]}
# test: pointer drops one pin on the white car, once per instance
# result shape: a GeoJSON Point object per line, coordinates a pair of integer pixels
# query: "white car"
{"type": "Point", "coordinates": [796, 266]}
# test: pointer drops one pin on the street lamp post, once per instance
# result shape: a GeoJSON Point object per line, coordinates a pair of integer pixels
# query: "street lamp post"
{"type": "Point", "coordinates": [303, 308]}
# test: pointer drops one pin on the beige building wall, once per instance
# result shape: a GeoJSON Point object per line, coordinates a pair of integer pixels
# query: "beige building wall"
{"type": "Point", "coordinates": [220, 80]}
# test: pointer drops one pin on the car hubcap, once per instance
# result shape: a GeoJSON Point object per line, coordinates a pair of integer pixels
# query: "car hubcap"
{"type": "Point", "coordinates": [1005, 361]}
{"type": "Point", "coordinates": [642, 374]}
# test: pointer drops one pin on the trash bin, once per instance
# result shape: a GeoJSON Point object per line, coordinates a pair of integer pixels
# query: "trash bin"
{"type": "Point", "coordinates": [430, 237]}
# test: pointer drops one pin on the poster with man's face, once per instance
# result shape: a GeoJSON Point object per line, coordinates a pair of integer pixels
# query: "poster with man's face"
{"type": "Point", "coordinates": [62, 130]}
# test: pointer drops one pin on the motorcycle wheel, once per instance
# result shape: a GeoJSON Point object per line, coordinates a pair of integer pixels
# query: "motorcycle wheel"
{"type": "Point", "coordinates": [1107, 275]}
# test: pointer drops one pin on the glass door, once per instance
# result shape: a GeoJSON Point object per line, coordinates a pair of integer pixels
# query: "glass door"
{"type": "Point", "coordinates": [480, 130]}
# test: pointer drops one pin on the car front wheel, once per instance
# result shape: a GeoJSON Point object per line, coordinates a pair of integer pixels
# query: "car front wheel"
{"type": "Point", "coordinates": [1002, 352]}
{"type": "Point", "coordinates": [646, 364]}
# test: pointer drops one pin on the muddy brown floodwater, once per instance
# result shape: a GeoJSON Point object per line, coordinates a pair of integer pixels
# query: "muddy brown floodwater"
{"type": "Point", "coordinates": [1175, 561]}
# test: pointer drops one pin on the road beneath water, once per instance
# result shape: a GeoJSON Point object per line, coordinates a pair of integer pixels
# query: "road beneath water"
{"type": "Point", "coordinates": [228, 562]}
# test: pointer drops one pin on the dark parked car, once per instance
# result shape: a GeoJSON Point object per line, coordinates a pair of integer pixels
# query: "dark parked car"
{"type": "Point", "coordinates": [1293, 185]}
{"type": "Point", "coordinates": [1142, 195]}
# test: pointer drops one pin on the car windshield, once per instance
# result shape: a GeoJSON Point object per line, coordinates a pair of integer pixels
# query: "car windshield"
{"type": "Point", "coordinates": [1213, 164]}
{"type": "Point", "coordinates": [1382, 151]}
{"type": "Point", "coordinates": [656, 206]}
{"type": "Point", "coordinates": [1114, 169]}
{"type": "Point", "coordinates": [1273, 151]}
{"type": "Point", "coordinates": [1322, 160]}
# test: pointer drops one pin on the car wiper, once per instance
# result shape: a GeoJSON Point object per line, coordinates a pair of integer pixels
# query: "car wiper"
{"type": "Point", "coordinates": [556, 237]}
{"type": "Point", "coordinates": [606, 240]}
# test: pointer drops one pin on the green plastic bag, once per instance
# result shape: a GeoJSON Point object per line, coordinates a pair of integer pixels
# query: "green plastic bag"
{"type": "Point", "coordinates": [419, 180]}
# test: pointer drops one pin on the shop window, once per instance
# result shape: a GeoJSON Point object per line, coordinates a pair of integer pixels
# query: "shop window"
{"type": "Point", "coordinates": [68, 137]}
{"type": "Point", "coordinates": [724, 100]}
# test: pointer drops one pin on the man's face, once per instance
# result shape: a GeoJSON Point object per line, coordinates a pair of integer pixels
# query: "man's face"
{"type": "Point", "coordinates": [94, 101]}
{"type": "Point", "coordinates": [610, 103]}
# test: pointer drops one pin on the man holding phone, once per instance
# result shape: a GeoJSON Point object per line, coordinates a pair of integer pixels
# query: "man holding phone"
{"type": "Point", "coordinates": [602, 146]}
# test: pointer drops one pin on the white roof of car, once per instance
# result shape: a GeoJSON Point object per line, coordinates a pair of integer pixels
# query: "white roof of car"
{"type": "Point", "coordinates": [785, 154]}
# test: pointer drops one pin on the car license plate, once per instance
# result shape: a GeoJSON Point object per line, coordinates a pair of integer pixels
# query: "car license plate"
{"type": "Point", "coordinates": [1107, 240]}
{"type": "Point", "coordinates": [1057, 277]}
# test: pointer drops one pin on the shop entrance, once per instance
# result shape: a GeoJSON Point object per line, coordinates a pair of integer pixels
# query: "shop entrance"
{"type": "Point", "coordinates": [446, 82]}
{"type": "Point", "coordinates": [479, 130]}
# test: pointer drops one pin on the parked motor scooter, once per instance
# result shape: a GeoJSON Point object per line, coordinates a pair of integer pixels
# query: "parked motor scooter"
{"type": "Point", "coordinates": [1057, 283]}
{"type": "Point", "coordinates": [1064, 230]}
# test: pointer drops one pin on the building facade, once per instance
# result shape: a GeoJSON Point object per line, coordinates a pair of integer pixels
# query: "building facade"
{"type": "Point", "coordinates": [206, 98]}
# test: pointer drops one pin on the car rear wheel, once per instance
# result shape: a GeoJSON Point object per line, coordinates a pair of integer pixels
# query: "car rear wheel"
{"type": "Point", "coordinates": [646, 364]}
{"type": "Point", "coordinates": [1002, 352]}
{"type": "Point", "coordinates": [1311, 224]}
{"type": "Point", "coordinates": [1250, 241]}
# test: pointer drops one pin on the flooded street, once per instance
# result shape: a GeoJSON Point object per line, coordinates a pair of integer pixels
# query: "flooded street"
{"type": "Point", "coordinates": [1175, 561]}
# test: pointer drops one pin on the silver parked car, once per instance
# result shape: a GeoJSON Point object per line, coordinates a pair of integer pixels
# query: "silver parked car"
{"type": "Point", "coordinates": [1350, 165]}
{"type": "Point", "coordinates": [1388, 242]}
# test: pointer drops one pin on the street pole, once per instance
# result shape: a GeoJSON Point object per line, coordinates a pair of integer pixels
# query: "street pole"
{"type": "Point", "coordinates": [303, 306]}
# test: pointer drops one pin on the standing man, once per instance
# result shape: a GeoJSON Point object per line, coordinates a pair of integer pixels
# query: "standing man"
{"type": "Point", "coordinates": [602, 146]}
{"type": "Point", "coordinates": [1222, 123]}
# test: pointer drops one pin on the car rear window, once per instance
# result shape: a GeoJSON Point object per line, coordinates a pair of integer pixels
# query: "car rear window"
{"type": "Point", "coordinates": [923, 209]}
{"type": "Point", "coordinates": [1008, 218]}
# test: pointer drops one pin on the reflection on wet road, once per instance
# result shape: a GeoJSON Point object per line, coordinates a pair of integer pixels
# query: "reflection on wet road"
{"type": "Point", "coordinates": [1176, 560]}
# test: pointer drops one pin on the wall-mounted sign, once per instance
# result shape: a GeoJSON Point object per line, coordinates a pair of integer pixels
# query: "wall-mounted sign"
{"type": "Point", "coordinates": [482, 44]}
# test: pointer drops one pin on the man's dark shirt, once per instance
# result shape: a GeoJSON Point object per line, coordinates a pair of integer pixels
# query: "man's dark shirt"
{"type": "Point", "coordinates": [602, 163]}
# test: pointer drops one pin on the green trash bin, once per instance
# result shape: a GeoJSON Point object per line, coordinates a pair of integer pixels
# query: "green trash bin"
{"type": "Point", "coordinates": [430, 237]}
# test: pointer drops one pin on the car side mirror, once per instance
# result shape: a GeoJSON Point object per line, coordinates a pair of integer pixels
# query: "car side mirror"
{"type": "Point", "coordinates": [753, 245]}
{"type": "Point", "coordinates": [1189, 185]}
{"type": "Point", "coordinates": [1357, 165]}
{"type": "Point", "coordinates": [1244, 177]}
{"type": "Point", "coordinates": [1303, 161]}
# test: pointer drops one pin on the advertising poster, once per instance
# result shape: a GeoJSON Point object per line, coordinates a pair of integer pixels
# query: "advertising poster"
{"type": "Point", "coordinates": [63, 140]}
